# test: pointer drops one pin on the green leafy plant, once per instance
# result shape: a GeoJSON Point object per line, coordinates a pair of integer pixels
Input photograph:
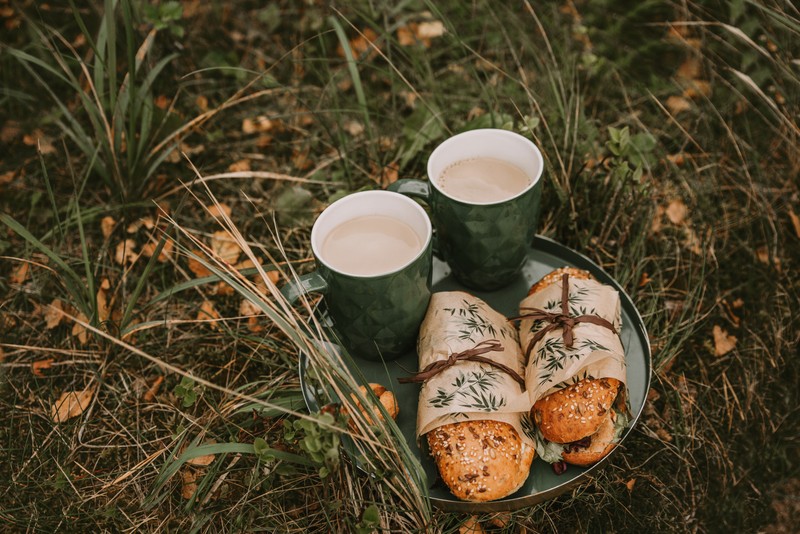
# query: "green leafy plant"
{"type": "Point", "coordinates": [117, 126]}
{"type": "Point", "coordinates": [187, 391]}
{"type": "Point", "coordinates": [165, 16]}
{"type": "Point", "coordinates": [317, 439]}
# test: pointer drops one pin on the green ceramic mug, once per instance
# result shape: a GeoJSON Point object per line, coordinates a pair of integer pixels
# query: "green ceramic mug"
{"type": "Point", "coordinates": [484, 192]}
{"type": "Point", "coordinates": [373, 256]}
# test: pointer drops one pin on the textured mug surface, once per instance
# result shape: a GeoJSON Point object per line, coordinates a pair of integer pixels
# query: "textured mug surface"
{"type": "Point", "coordinates": [484, 243]}
{"type": "Point", "coordinates": [376, 317]}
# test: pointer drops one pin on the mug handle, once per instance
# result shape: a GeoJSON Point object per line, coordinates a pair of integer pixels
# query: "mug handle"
{"type": "Point", "coordinates": [412, 188]}
{"type": "Point", "coordinates": [304, 284]}
{"type": "Point", "coordinates": [421, 190]}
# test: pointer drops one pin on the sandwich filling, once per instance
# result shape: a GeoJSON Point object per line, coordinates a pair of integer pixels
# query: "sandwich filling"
{"type": "Point", "coordinates": [552, 452]}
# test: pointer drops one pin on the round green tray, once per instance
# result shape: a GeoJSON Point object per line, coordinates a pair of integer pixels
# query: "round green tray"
{"type": "Point", "coordinates": [542, 484]}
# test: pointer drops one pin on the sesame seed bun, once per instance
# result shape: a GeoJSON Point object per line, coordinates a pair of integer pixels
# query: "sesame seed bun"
{"type": "Point", "coordinates": [480, 460]}
{"type": "Point", "coordinates": [600, 444]}
{"type": "Point", "coordinates": [577, 411]}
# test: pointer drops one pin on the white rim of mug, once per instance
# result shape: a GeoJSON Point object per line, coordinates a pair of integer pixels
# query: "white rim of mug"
{"type": "Point", "coordinates": [356, 197]}
{"type": "Point", "coordinates": [494, 131]}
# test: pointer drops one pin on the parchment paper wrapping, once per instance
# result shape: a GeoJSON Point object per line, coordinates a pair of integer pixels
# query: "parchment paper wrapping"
{"type": "Point", "coordinates": [597, 352]}
{"type": "Point", "coordinates": [455, 322]}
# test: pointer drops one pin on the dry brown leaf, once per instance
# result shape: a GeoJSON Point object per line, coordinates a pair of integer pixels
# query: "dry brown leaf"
{"type": "Point", "coordinates": [354, 128]}
{"type": "Point", "coordinates": [386, 175]}
{"type": "Point", "coordinates": [300, 160]}
{"type": "Point", "coordinates": [243, 165]}
{"type": "Point", "coordinates": [208, 312]}
{"type": "Point", "coordinates": [795, 222]}
{"type": "Point", "coordinates": [260, 124]}
{"type": "Point", "coordinates": [201, 102]}
{"type": "Point", "coordinates": [225, 246]}
{"type": "Point", "coordinates": [161, 102]}
{"type": "Point", "coordinates": [697, 89]}
{"type": "Point", "coordinates": [202, 461]}
{"type": "Point", "coordinates": [223, 290]}
{"type": "Point", "coordinates": [103, 310]}
{"type": "Point", "coordinates": [429, 30]}
{"type": "Point", "coordinates": [53, 314]}
{"type": "Point", "coordinates": [147, 222]}
{"type": "Point", "coordinates": [20, 274]}
{"type": "Point", "coordinates": [406, 36]}
{"type": "Point", "coordinates": [662, 433]}
{"type": "Point", "coordinates": [71, 404]}
{"type": "Point", "coordinates": [723, 342]}
{"type": "Point", "coordinates": [676, 212]}
{"type": "Point", "coordinates": [125, 252]}
{"type": "Point", "coordinates": [189, 486]}
{"type": "Point", "coordinates": [79, 331]}
{"type": "Point", "coordinates": [199, 270]}
{"type": "Point", "coordinates": [40, 365]}
{"type": "Point", "coordinates": [762, 253]}
{"type": "Point", "coordinates": [677, 104]}
{"type": "Point", "coordinates": [690, 69]}
{"type": "Point", "coordinates": [152, 391]}
{"type": "Point", "coordinates": [107, 226]}
{"type": "Point", "coordinates": [39, 140]}
{"type": "Point", "coordinates": [216, 210]}
{"type": "Point", "coordinates": [252, 312]}
{"type": "Point", "coordinates": [692, 241]}
{"type": "Point", "coordinates": [7, 177]}
{"type": "Point", "coordinates": [677, 159]}
{"type": "Point", "coordinates": [471, 526]}
{"type": "Point", "coordinates": [738, 303]}
{"type": "Point", "coordinates": [629, 484]}
{"type": "Point", "coordinates": [360, 43]}
{"type": "Point", "coordinates": [10, 132]}
{"type": "Point", "coordinates": [644, 280]}
{"type": "Point", "coordinates": [655, 225]}
{"type": "Point", "coordinates": [148, 249]}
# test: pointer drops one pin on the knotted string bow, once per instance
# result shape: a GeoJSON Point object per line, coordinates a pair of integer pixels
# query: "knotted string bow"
{"type": "Point", "coordinates": [471, 355]}
{"type": "Point", "coordinates": [561, 320]}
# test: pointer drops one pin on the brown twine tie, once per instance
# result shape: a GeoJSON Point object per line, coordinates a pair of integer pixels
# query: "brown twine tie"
{"type": "Point", "coordinates": [471, 355]}
{"type": "Point", "coordinates": [561, 320]}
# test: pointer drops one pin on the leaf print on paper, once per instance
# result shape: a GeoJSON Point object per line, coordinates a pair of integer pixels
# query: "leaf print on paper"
{"type": "Point", "coordinates": [471, 324]}
{"type": "Point", "coordinates": [442, 399]}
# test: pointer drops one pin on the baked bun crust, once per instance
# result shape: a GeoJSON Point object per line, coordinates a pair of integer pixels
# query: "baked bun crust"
{"type": "Point", "coordinates": [601, 443]}
{"type": "Point", "coordinates": [576, 411]}
{"type": "Point", "coordinates": [555, 276]}
{"type": "Point", "coordinates": [480, 460]}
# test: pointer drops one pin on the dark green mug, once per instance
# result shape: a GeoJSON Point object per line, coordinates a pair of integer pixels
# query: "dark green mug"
{"type": "Point", "coordinates": [375, 297]}
{"type": "Point", "coordinates": [484, 241]}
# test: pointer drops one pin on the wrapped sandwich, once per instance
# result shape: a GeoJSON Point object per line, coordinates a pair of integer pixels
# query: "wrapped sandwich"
{"type": "Point", "coordinates": [471, 370]}
{"type": "Point", "coordinates": [575, 376]}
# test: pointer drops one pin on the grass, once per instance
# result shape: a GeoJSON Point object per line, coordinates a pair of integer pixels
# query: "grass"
{"type": "Point", "coordinates": [670, 138]}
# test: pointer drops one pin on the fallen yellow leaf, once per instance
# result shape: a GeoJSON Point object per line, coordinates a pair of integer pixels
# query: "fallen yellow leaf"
{"type": "Point", "coordinates": [79, 331]}
{"type": "Point", "coordinates": [242, 165]}
{"type": "Point", "coordinates": [53, 314]}
{"type": "Point", "coordinates": [225, 246]}
{"type": "Point", "coordinates": [148, 249]}
{"type": "Point", "coordinates": [107, 226]}
{"type": "Point", "coordinates": [208, 312]}
{"type": "Point", "coordinates": [723, 342]}
{"type": "Point", "coordinates": [677, 212]}
{"type": "Point", "coordinates": [20, 273]}
{"type": "Point", "coordinates": [150, 394]}
{"type": "Point", "coordinates": [677, 104]}
{"type": "Point", "coordinates": [189, 485]}
{"type": "Point", "coordinates": [102, 301]}
{"type": "Point", "coordinates": [38, 366]}
{"type": "Point", "coordinates": [125, 252]}
{"type": "Point", "coordinates": [71, 404]}
{"type": "Point", "coordinates": [795, 222]}
{"type": "Point", "coordinates": [216, 210]}
{"type": "Point", "coordinates": [199, 270]}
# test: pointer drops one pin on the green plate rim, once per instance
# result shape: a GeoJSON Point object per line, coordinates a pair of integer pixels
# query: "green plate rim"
{"type": "Point", "coordinates": [575, 259]}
